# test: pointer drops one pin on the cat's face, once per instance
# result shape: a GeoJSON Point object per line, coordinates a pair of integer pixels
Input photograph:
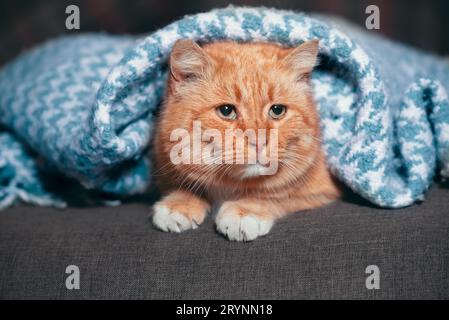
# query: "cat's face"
{"type": "Point", "coordinates": [226, 86]}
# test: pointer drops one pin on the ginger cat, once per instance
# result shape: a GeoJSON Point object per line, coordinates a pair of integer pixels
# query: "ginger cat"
{"type": "Point", "coordinates": [230, 86]}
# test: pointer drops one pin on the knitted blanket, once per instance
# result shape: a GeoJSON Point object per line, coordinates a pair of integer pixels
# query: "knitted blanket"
{"type": "Point", "coordinates": [83, 106]}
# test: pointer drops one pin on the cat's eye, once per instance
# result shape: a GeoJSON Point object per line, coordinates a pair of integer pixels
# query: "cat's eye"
{"type": "Point", "coordinates": [277, 111]}
{"type": "Point", "coordinates": [227, 111]}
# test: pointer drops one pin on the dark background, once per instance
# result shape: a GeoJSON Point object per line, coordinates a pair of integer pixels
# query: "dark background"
{"type": "Point", "coordinates": [24, 23]}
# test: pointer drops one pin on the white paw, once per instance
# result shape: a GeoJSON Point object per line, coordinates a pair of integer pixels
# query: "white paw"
{"type": "Point", "coordinates": [171, 221]}
{"type": "Point", "coordinates": [238, 228]}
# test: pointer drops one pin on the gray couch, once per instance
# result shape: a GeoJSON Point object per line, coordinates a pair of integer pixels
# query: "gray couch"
{"type": "Point", "coordinates": [321, 254]}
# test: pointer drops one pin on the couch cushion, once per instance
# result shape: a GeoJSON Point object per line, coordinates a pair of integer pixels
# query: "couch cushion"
{"type": "Point", "coordinates": [320, 253]}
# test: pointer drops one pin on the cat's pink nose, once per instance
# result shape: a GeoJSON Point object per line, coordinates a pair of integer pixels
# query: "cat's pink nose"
{"type": "Point", "coordinates": [265, 165]}
{"type": "Point", "coordinates": [258, 146]}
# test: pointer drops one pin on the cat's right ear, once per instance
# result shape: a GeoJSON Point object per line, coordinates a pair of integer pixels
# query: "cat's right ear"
{"type": "Point", "coordinates": [188, 61]}
{"type": "Point", "coordinates": [303, 58]}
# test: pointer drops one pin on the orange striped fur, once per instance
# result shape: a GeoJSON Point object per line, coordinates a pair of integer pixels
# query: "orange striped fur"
{"type": "Point", "coordinates": [252, 77]}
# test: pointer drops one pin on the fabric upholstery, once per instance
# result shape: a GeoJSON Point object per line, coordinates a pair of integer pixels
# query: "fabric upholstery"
{"type": "Point", "coordinates": [317, 254]}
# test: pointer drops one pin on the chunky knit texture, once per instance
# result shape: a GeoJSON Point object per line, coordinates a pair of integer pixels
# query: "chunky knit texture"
{"type": "Point", "coordinates": [83, 107]}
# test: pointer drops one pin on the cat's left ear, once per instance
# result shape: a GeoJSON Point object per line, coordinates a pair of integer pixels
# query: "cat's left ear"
{"type": "Point", "coordinates": [188, 60]}
{"type": "Point", "coordinates": [303, 58]}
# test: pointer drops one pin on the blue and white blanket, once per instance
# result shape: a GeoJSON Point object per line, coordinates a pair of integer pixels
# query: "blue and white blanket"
{"type": "Point", "coordinates": [83, 107]}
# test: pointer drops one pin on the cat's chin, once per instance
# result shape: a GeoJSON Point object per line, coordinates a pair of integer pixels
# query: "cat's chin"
{"type": "Point", "coordinates": [257, 170]}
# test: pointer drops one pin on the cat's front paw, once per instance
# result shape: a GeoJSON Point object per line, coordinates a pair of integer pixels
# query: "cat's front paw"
{"type": "Point", "coordinates": [179, 211]}
{"type": "Point", "coordinates": [241, 226]}
{"type": "Point", "coordinates": [171, 221]}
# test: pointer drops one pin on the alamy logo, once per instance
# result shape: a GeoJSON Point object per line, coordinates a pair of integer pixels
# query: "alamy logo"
{"type": "Point", "coordinates": [373, 280]}
{"type": "Point", "coordinates": [73, 280]}
{"type": "Point", "coordinates": [373, 20]}
{"type": "Point", "coordinates": [250, 147]}
{"type": "Point", "coordinates": [73, 19]}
